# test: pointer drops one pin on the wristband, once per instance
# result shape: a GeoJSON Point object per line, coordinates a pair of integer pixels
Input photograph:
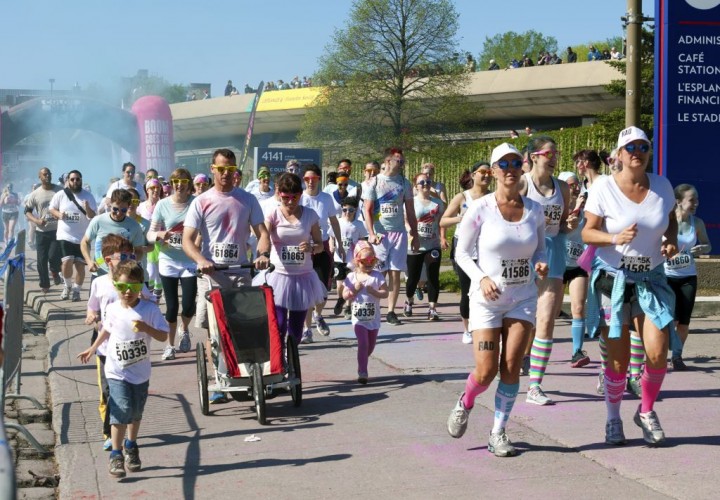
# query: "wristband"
{"type": "Point", "coordinates": [265, 254]}
{"type": "Point", "coordinates": [614, 239]}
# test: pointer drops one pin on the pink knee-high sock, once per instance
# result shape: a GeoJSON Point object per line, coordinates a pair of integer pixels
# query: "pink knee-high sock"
{"type": "Point", "coordinates": [472, 390]}
{"type": "Point", "coordinates": [614, 389]}
{"type": "Point", "coordinates": [651, 381]}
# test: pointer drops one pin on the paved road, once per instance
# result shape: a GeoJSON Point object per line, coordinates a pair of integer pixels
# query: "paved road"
{"type": "Point", "coordinates": [386, 439]}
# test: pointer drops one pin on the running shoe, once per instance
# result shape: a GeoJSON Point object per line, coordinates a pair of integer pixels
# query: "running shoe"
{"type": "Point", "coordinates": [347, 312]}
{"type": "Point", "coordinates": [169, 353]}
{"type": "Point", "coordinates": [433, 315]}
{"type": "Point", "coordinates": [419, 293]}
{"type": "Point", "coordinates": [321, 326]}
{"type": "Point", "coordinates": [536, 396]}
{"type": "Point", "coordinates": [362, 378]}
{"type": "Point", "coordinates": [107, 445]}
{"type": "Point", "coordinates": [500, 446]}
{"type": "Point", "coordinates": [75, 295]}
{"type": "Point", "coordinates": [407, 309]}
{"type": "Point", "coordinates": [65, 294]}
{"type": "Point", "coordinates": [614, 434]}
{"type": "Point", "coordinates": [579, 359]}
{"type": "Point", "coordinates": [679, 365]}
{"type": "Point", "coordinates": [217, 398]}
{"type": "Point", "coordinates": [338, 309]}
{"type": "Point", "coordinates": [157, 293]}
{"type": "Point", "coordinates": [185, 344]}
{"type": "Point", "coordinates": [307, 337]}
{"type": "Point", "coordinates": [392, 319]}
{"type": "Point", "coordinates": [458, 419]}
{"type": "Point", "coordinates": [601, 383]}
{"type": "Point", "coordinates": [117, 466]}
{"type": "Point", "coordinates": [525, 368]}
{"type": "Point", "coordinates": [467, 338]}
{"type": "Point", "coordinates": [634, 386]}
{"type": "Point", "coordinates": [132, 459]}
{"type": "Point", "coordinates": [650, 425]}
{"type": "Point", "coordinates": [57, 279]}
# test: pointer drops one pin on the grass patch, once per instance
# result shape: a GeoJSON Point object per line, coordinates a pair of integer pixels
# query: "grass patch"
{"type": "Point", "coordinates": [449, 282]}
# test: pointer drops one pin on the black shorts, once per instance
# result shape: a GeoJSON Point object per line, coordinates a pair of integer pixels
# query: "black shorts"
{"type": "Point", "coordinates": [341, 271]}
{"type": "Point", "coordinates": [685, 289]}
{"type": "Point", "coordinates": [69, 249]}
{"type": "Point", "coordinates": [604, 285]}
{"type": "Point", "coordinates": [323, 266]}
{"type": "Point", "coordinates": [573, 272]}
{"type": "Point", "coordinates": [8, 216]}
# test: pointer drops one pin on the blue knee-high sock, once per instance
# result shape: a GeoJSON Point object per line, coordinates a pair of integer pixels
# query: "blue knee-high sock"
{"type": "Point", "coordinates": [577, 330]}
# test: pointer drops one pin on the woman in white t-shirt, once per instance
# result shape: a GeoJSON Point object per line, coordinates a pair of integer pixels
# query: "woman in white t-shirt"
{"type": "Point", "coordinates": [508, 231]}
{"type": "Point", "coordinates": [630, 218]}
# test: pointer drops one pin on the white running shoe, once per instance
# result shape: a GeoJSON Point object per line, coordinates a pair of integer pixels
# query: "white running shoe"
{"type": "Point", "coordinates": [467, 338]}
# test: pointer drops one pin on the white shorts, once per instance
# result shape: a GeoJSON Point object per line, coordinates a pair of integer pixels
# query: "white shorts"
{"type": "Point", "coordinates": [488, 315]}
{"type": "Point", "coordinates": [397, 250]}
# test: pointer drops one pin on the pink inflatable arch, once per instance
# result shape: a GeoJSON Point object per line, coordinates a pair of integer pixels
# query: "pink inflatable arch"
{"type": "Point", "coordinates": [155, 135]}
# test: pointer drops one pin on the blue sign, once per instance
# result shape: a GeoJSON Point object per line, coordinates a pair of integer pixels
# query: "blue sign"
{"type": "Point", "coordinates": [687, 101]}
{"type": "Point", "coordinates": [276, 158]}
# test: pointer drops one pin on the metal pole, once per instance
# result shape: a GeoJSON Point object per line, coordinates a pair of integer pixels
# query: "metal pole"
{"type": "Point", "coordinates": [632, 77]}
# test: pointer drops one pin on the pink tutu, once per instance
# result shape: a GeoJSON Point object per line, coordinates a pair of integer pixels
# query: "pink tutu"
{"type": "Point", "coordinates": [296, 292]}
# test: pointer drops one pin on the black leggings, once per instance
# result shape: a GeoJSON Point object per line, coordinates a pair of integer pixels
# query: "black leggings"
{"type": "Point", "coordinates": [189, 291]}
{"type": "Point", "coordinates": [685, 289]}
{"type": "Point", "coordinates": [464, 291]}
{"type": "Point", "coordinates": [414, 268]}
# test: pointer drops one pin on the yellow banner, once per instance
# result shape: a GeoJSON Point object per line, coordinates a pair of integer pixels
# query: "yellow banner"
{"type": "Point", "coordinates": [275, 100]}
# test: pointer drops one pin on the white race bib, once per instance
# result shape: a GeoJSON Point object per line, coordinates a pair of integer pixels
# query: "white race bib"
{"type": "Point", "coordinates": [680, 261]}
{"type": "Point", "coordinates": [574, 249]}
{"type": "Point", "coordinates": [226, 253]}
{"type": "Point", "coordinates": [72, 217]}
{"type": "Point", "coordinates": [363, 311]}
{"type": "Point", "coordinates": [426, 230]}
{"type": "Point", "coordinates": [290, 255]}
{"type": "Point", "coordinates": [636, 263]}
{"type": "Point", "coordinates": [516, 272]}
{"type": "Point", "coordinates": [553, 214]}
{"type": "Point", "coordinates": [129, 352]}
{"type": "Point", "coordinates": [389, 210]}
{"type": "Point", "coordinates": [175, 240]}
{"type": "Point", "coordinates": [346, 244]}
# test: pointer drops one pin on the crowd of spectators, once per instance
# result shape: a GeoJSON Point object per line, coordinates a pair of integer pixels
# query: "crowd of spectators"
{"type": "Point", "coordinates": [546, 58]}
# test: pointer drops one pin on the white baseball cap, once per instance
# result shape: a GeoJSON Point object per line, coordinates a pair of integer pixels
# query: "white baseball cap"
{"type": "Point", "coordinates": [502, 150]}
{"type": "Point", "coordinates": [564, 176]}
{"type": "Point", "coordinates": [631, 134]}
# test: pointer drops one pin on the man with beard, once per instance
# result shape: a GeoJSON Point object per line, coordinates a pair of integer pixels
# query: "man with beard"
{"type": "Point", "coordinates": [73, 207]}
{"type": "Point", "coordinates": [46, 226]}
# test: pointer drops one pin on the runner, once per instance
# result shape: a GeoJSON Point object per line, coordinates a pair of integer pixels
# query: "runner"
{"type": "Point", "coordinates": [125, 182]}
{"type": "Point", "coordinates": [48, 251]}
{"type": "Point", "coordinates": [390, 198]}
{"type": "Point", "coordinates": [631, 220]}
{"type": "Point", "coordinates": [73, 207]}
{"type": "Point", "coordinates": [9, 203]}
{"type": "Point", "coordinates": [681, 271]}
{"type": "Point", "coordinates": [261, 188]}
{"type": "Point", "coordinates": [437, 188]}
{"type": "Point", "coordinates": [475, 184]}
{"type": "Point", "coordinates": [351, 231]}
{"type": "Point", "coordinates": [344, 169]}
{"type": "Point", "coordinates": [153, 194]}
{"type": "Point", "coordinates": [508, 231]}
{"type": "Point", "coordinates": [201, 184]}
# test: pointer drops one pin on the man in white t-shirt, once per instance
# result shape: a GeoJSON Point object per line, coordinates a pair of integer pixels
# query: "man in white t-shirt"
{"type": "Point", "coordinates": [73, 207]}
{"type": "Point", "coordinates": [127, 181]}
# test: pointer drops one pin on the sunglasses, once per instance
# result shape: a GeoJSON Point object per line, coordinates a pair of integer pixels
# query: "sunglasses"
{"type": "Point", "coordinates": [122, 256]}
{"type": "Point", "coordinates": [631, 148]}
{"type": "Point", "coordinates": [124, 287]}
{"type": "Point", "coordinates": [505, 164]}
{"type": "Point", "coordinates": [118, 209]}
{"type": "Point", "coordinates": [348, 210]}
{"type": "Point", "coordinates": [75, 179]}
{"type": "Point", "coordinates": [180, 182]}
{"type": "Point", "coordinates": [311, 178]}
{"type": "Point", "coordinates": [134, 202]}
{"type": "Point", "coordinates": [368, 261]}
{"type": "Point", "coordinates": [547, 153]}
{"type": "Point", "coordinates": [129, 172]}
{"type": "Point", "coordinates": [423, 183]}
{"type": "Point", "coordinates": [264, 177]}
{"type": "Point", "coordinates": [221, 170]}
{"type": "Point", "coordinates": [342, 185]}
{"type": "Point", "coordinates": [290, 196]}
{"type": "Point", "coordinates": [202, 184]}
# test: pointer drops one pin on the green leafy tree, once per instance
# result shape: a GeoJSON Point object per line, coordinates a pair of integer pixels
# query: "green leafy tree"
{"type": "Point", "coordinates": [391, 76]}
{"type": "Point", "coordinates": [504, 47]}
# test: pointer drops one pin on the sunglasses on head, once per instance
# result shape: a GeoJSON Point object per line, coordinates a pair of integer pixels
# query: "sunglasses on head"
{"type": "Point", "coordinates": [547, 153]}
{"type": "Point", "coordinates": [123, 256]}
{"type": "Point", "coordinates": [505, 164]}
{"type": "Point", "coordinates": [118, 209]}
{"type": "Point", "coordinates": [124, 287]}
{"type": "Point", "coordinates": [631, 148]}
{"type": "Point", "coordinates": [348, 210]}
{"type": "Point", "coordinates": [221, 170]}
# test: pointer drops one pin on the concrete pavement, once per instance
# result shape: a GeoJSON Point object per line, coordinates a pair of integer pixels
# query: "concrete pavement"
{"type": "Point", "coordinates": [386, 439]}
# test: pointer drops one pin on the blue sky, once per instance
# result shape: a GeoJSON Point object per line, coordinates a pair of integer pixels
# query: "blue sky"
{"type": "Point", "coordinates": [88, 41]}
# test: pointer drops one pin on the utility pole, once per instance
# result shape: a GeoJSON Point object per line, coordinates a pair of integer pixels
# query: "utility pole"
{"type": "Point", "coordinates": [633, 21]}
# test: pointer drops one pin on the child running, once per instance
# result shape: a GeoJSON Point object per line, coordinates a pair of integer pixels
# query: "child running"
{"type": "Point", "coordinates": [129, 326]}
{"type": "Point", "coordinates": [364, 288]}
{"type": "Point", "coordinates": [352, 230]}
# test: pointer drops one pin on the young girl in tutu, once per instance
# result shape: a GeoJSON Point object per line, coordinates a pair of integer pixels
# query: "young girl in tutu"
{"type": "Point", "coordinates": [364, 287]}
{"type": "Point", "coordinates": [295, 235]}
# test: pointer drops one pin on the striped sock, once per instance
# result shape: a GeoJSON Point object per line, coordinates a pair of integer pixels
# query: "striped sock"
{"type": "Point", "coordinates": [505, 396]}
{"type": "Point", "coordinates": [577, 330]}
{"type": "Point", "coordinates": [539, 357]}
{"type": "Point", "coordinates": [637, 355]}
{"type": "Point", "coordinates": [472, 390]}
{"type": "Point", "coordinates": [652, 379]}
{"type": "Point", "coordinates": [614, 389]}
{"type": "Point", "coordinates": [603, 353]}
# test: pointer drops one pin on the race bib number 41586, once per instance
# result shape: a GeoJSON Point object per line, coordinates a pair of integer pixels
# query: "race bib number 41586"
{"type": "Point", "coordinates": [516, 272]}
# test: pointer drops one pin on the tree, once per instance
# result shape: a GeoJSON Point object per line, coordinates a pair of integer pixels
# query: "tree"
{"type": "Point", "coordinates": [504, 47]}
{"type": "Point", "coordinates": [392, 76]}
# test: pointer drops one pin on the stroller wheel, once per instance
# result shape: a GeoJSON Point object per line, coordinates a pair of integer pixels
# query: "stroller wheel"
{"type": "Point", "coordinates": [293, 369]}
{"type": "Point", "coordinates": [259, 393]}
{"type": "Point", "coordinates": [202, 378]}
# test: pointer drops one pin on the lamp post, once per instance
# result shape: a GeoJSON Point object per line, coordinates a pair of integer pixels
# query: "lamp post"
{"type": "Point", "coordinates": [52, 84]}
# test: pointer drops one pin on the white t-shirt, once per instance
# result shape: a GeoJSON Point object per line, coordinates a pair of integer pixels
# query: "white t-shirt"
{"type": "Point", "coordinates": [507, 251]}
{"type": "Point", "coordinates": [324, 206]}
{"type": "Point", "coordinates": [553, 205]}
{"type": "Point", "coordinates": [121, 185]}
{"type": "Point", "coordinates": [128, 352]}
{"type": "Point", "coordinates": [72, 227]}
{"type": "Point", "coordinates": [224, 221]}
{"type": "Point", "coordinates": [350, 234]}
{"type": "Point", "coordinates": [365, 307]}
{"type": "Point", "coordinates": [607, 201]}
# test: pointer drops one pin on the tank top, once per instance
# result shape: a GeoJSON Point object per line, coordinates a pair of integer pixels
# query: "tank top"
{"type": "Point", "coordinates": [553, 205]}
{"type": "Point", "coordinates": [683, 263]}
{"type": "Point", "coordinates": [463, 209]}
